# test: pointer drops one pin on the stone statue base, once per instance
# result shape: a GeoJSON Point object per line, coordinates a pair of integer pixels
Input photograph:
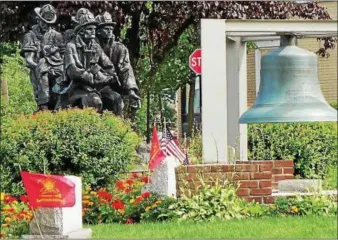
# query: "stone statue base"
{"type": "Point", "coordinates": [85, 233]}
{"type": "Point", "coordinates": [163, 178]}
{"type": "Point", "coordinates": [60, 223]}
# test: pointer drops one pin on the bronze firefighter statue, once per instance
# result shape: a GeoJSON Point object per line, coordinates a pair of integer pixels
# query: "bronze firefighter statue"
{"type": "Point", "coordinates": [85, 67]}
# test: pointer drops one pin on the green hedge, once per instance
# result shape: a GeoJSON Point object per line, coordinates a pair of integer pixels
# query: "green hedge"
{"type": "Point", "coordinates": [79, 142]}
{"type": "Point", "coordinates": [312, 146]}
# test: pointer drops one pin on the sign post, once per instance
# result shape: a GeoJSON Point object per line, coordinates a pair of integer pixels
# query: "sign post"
{"type": "Point", "coordinates": [195, 64]}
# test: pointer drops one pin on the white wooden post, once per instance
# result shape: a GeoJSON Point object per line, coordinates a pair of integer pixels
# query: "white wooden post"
{"type": "Point", "coordinates": [242, 98]}
{"type": "Point", "coordinates": [237, 95]}
{"type": "Point", "coordinates": [257, 68]}
{"type": "Point", "coordinates": [214, 96]}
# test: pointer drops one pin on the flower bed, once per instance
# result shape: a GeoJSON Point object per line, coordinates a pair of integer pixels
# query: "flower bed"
{"type": "Point", "coordinates": [15, 216]}
{"type": "Point", "coordinates": [124, 203]}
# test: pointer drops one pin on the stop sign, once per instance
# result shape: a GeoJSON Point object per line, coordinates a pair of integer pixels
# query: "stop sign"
{"type": "Point", "coordinates": [195, 61]}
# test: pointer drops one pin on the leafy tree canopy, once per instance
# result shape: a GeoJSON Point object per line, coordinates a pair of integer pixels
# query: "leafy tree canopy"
{"type": "Point", "coordinates": [161, 22]}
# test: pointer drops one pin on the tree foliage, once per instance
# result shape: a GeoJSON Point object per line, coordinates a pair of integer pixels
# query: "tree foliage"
{"type": "Point", "coordinates": [164, 21]}
{"type": "Point", "coordinates": [159, 25]}
{"type": "Point", "coordinates": [159, 34]}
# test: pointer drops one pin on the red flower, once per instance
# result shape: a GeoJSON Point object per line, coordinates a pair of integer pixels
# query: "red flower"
{"type": "Point", "coordinates": [9, 199]}
{"type": "Point", "coordinates": [129, 221]}
{"type": "Point", "coordinates": [127, 190]}
{"type": "Point", "coordinates": [134, 175]}
{"type": "Point", "coordinates": [101, 193]}
{"type": "Point", "coordinates": [23, 212]}
{"type": "Point", "coordinates": [129, 181]}
{"type": "Point", "coordinates": [108, 196]}
{"type": "Point", "coordinates": [146, 194]}
{"type": "Point", "coordinates": [24, 198]}
{"type": "Point", "coordinates": [120, 185]}
{"type": "Point", "coordinates": [10, 210]}
{"type": "Point", "coordinates": [139, 199]}
{"type": "Point", "coordinates": [118, 204]}
{"type": "Point", "coordinates": [105, 195]}
{"type": "Point", "coordinates": [146, 179]}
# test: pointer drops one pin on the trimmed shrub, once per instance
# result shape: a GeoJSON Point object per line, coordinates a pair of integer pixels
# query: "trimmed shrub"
{"type": "Point", "coordinates": [312, 146]}
{"type": "Point", "coordinates": [216, 202]}
{"type": "Point", "coordinates": [77, 142]}
{"type": "Point", "coordinates": [318, 204]}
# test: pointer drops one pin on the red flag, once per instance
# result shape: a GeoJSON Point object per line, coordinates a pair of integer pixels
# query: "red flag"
{"type": "Point", "coordinates": [156, 154]}
{"type": "Point", "coordinates": [48, 191]}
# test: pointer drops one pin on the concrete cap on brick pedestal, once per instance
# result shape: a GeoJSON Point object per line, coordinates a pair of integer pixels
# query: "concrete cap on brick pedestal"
{"type": "Point", "coordinates": [300, 185]}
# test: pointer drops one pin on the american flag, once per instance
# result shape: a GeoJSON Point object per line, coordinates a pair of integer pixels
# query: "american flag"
{"type": "Point", "coordinates": [170, 147]}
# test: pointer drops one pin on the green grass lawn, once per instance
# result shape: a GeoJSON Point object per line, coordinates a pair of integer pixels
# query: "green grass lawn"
{"type": "Point", "coordinates": [289, 227]}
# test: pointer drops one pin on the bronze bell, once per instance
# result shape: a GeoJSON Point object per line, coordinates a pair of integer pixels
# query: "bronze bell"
{"type": "Point", "coordinates": [289, 90]}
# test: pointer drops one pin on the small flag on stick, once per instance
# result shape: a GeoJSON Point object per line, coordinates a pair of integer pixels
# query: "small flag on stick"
{"type": "Point", "coordinates": [49, 191]}
{"type": "Point", "coordinates": [156, 154]}
{"type": "Point", "coordinates": [170, 147]}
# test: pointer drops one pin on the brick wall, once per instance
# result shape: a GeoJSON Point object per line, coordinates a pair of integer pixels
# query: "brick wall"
{"type": "Point", "coordinates": [280, 170]}
{"type": "Point", "coordinates": [331, 7]}
{"type": "Point", "coordinates": [256, 179]}
{"type": "Point", "coordinates": [251, 81]}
